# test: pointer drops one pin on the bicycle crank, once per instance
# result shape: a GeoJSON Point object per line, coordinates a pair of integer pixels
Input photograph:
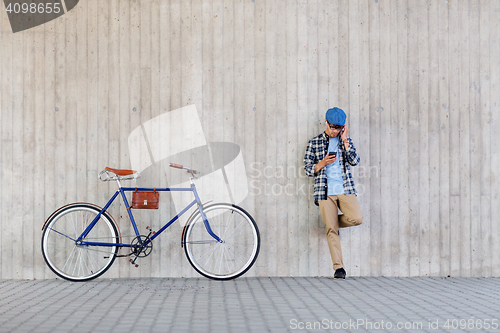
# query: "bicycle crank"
{"type": "Point", "coordinates": [140, 247]}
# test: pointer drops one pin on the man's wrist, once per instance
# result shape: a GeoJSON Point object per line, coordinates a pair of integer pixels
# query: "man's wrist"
{"type": "Point", "coordinates": [318, 166]}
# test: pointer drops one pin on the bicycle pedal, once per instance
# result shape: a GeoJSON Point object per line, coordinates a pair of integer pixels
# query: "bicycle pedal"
{"type": "Point", "coordinates": [136, 265]}
{"type": "Point", "coordinates": [147, 228]}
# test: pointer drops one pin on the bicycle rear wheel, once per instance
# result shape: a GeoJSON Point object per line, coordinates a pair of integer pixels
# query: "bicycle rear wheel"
{"type": "Point", "coordinates": [79, 262]}
{"type": "Point", "coordinates": [230, 258]}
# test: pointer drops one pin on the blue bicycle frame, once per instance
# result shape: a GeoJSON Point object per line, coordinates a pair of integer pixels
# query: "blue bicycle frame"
{"type": "Point", "coordinates": [122, 190]}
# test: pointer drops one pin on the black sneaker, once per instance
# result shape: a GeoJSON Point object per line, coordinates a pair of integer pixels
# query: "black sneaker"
{"type": "Point", "coordinates": [339, 273]}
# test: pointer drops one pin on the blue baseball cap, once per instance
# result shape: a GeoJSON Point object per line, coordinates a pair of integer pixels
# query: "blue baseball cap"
{"type": "Point", "coordinates": [335, 116]}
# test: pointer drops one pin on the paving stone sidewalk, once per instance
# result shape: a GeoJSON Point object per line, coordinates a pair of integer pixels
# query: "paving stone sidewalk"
{"type": "Point", "coordinates": [304, 304]}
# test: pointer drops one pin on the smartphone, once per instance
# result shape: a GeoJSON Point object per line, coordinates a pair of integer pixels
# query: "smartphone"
{"type": "Point", "coordinates": [332, 153]}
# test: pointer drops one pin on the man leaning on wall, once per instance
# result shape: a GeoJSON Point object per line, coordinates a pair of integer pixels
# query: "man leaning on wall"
{"type": "Point", "coordinates": [328, 158]}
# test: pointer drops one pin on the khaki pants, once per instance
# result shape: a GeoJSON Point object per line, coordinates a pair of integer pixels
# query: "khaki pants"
{"type": "Point", "coordinates": [349, 206]}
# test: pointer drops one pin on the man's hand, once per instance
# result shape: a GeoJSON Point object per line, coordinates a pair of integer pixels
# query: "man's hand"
{"type": "Point", "coordinates": [329, 159]}
{"type": "Point", "coordinates": [344, 132]}
{"type": "Point", "coordinates": [343, 136]}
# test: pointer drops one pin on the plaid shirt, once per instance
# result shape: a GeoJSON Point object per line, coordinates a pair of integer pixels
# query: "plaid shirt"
{"type": "Point", "coordinates": [316, 150]}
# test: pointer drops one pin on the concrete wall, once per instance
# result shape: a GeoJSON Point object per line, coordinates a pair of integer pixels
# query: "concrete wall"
{"type": "Point", "coordinates": [419, 81]}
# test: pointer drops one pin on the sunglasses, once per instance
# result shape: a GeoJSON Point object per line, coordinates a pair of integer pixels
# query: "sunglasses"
{"type": "Point", "coordinates": [337, 127]}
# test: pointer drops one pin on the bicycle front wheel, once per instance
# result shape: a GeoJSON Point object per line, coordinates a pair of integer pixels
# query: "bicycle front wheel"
{"type": "Point", "coordinates": [238, 250]}
{"type": "Point", "coordinates": [79, 262]}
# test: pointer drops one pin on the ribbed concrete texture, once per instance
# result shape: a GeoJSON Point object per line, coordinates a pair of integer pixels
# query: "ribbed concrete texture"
{"type": "Point", "coordinates": [419, 81]}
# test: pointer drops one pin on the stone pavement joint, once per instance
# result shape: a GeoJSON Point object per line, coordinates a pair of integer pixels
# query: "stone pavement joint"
{"type": "Point", "coordinates": [278, 304]}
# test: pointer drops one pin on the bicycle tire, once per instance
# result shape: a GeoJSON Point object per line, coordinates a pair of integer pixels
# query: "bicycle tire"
{"type": "Point", "coordinates": [76, 262]}
{"type": "Point", "coordinates": [238, 251]}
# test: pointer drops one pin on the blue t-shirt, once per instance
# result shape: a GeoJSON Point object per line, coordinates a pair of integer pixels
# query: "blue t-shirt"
{"type": "Point", "coordinates": [335, 181]}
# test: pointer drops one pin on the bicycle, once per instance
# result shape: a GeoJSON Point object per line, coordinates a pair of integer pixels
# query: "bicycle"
{"type": "Point", "coordinates": [80, 241]}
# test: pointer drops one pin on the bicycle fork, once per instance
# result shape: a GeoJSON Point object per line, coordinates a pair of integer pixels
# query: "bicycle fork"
{"type": "Point", "coordinates": [204, 217]}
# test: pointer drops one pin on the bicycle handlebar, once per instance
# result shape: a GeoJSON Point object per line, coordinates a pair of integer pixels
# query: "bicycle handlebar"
{"type": "Point", "coordinates": [191, 171]}
{"type": "Point", "coordinates": [178, 166]}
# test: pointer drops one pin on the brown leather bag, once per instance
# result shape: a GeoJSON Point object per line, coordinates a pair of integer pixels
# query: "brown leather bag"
{"type": "Point", "coordinates": [145, 199]}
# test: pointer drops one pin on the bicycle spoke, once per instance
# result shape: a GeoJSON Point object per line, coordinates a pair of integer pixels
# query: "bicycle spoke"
{"type": "Point", "coordinates": [70, 255]}
{"type": "Point", "coordinates": [200, 242]}
{"type": "Point", "coordinates": [234, 256]}
{"type": "Point", "coordinates": [210, 256]}
{"type": "Point", "coordinates": [230, 222]}
{"type": "Point", "coordinates": [241, 232]}
{"type": "Point", "coordinates": [74, 222]}
{"type": "Point", "coordinates": [221, 256]}
{"type": "Point", "coordinates": [84, 264]}
{"type": "Point", "coordinates": [62, 231]}
{"type": "Point", "coordinates": [216, 255]}
{"type": "Point", "coordinates": [232, 262]}
{"type": "Point", "coordinates": [227, 259]}
{"type": "Point", "coordinates": [93, 261]}
{"type": "Point", "coordinates": [62, 234]}
{"type": "Point", "coordinates": [85, 221]}
{"type": "Point", "coordinates": [84, 218]}
{"type": "Point", "coordinates": [210, 251]}
{"type": "Point", "coordinates": [76, 262]}
{"type": "Point", "coordinates": [80, 262]}
{"type": "Point", "coordinates": [234, 230]}
{"type": "Point", "coordinates": [220, 225]}
{"type": "Point", "coordinates": [88, 261]}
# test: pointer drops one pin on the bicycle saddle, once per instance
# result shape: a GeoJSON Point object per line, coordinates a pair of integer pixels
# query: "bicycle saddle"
{"type": "Point", "coordinates": [121, 172]}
